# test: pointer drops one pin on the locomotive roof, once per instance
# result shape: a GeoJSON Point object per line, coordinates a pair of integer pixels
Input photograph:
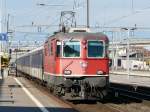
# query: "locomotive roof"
{"type": "Point", "coordinates": [80, 35]}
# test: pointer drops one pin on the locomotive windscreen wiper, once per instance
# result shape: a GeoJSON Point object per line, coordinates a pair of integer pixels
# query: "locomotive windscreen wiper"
{"type": "Point", "coordinates": [71, 39]}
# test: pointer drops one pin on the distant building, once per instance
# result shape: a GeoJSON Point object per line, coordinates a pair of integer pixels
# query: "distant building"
{"type": "Point", "coordinates": [139, 58]}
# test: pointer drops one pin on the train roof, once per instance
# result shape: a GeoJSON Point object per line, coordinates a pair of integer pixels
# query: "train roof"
{"type": "Point", "coordinates": [80, 35]}
{"type": "Point", "coordinates": [32, 51]}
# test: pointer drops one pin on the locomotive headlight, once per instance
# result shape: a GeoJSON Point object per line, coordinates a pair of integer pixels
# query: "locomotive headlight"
{"type": "Point", "coordinates": [99, 72]}
{"type": "Point", "coordinates": [67, 72]}
{"type": "Point", "coordinates": [84, 64]}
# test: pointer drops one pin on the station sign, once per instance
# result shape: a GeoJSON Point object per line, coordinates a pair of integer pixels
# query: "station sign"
{"type": "Point", "coordinates": [3, 37]}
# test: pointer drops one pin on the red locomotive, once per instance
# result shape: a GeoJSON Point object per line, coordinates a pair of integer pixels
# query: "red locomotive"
{"type": "Point", "coordinates": [76, 64]}
{"type": "Point", "coordinates": [73, 65]}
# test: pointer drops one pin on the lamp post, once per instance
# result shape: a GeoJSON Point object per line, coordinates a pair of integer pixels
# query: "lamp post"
{"type": "Point", "coordinates": [128, 53]}
{"type": "Point", "coordinates": [88, 16]}
{"type": "Point", "coordinates": [128, 48]}
{"type": "Point", "coordinates": [114, 50]}
{"type": "Point", "coordinates": [16, 62]}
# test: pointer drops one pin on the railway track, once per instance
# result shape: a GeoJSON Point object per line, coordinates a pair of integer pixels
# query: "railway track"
{"type": "Point", "coordinates": [125, 103]}
{"type": "Point", "coordinates": [138, 93]}
{"type": "Point", "coordinates": [136, 99]}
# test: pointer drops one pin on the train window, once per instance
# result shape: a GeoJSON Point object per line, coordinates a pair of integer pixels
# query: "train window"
{"type": "Point", "coordinates": [45, 50]}
{"type": "Point", "coordinates": [58, 51]}
{"type": "Point", "coordinates": [95, 49]}
{"type": "Point", "coordinates": [51, 49]}
{"type": "Point", "coordinates": [71, 49]}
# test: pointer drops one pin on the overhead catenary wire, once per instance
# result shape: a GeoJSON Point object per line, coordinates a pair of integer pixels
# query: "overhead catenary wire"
{"type": "Point", "coordinates": [76, 6]}
{"type": "Point", "coordinates": [37, 12]}
{"type": "Point", "coordinates": [126, 16]}
{"type": "Point", "coordinates": [55, 20]}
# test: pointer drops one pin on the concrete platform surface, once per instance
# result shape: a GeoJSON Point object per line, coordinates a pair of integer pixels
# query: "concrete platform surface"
{"type": "Point", "coordinates": [19, 95]}
{"type": "Point", "coordinates": [134, 73]}
{"type": "Point", "coordinates": [130, 80]}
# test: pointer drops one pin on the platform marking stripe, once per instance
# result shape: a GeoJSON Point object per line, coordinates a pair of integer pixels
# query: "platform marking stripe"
{"type": "Point", "coordinates": [36, 101]}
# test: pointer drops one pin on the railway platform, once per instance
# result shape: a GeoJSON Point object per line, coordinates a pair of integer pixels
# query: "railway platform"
{"type": "Point", "coordinates": [18, 94]}
{"type": "Point", "coordinates": [132, 73]}
{"type": "Point", "coordinates": [136, 78]}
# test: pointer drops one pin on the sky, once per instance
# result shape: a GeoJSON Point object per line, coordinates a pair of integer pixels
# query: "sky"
{"type": "Point", "coordinates": [108, 13]}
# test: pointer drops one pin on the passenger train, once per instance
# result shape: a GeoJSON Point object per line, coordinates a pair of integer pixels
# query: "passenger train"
{"type": "Point", "coordinates": [73, 65]}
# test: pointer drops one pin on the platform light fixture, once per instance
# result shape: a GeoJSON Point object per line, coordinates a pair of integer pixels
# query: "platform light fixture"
{"type": "Point", "coordinates": [43, 4]}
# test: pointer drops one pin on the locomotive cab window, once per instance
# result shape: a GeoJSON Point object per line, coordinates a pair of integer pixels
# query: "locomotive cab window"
{"type": "Point", "coordinates": [71, 49]}
{"type": "Point", "coordinates": [95, 49]}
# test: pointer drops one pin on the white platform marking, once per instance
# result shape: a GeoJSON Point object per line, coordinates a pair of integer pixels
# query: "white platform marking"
{"type": "Point", "coordinates": [36, 101]}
